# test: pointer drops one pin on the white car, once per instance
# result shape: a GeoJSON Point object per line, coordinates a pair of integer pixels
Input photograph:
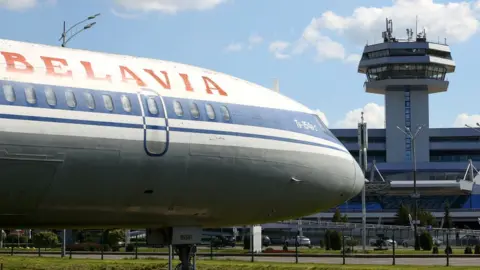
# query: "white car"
{"type": "Point", "coordinates": [302, 241]}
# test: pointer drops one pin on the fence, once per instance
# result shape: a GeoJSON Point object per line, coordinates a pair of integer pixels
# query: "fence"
{"type": "Point", "coordinates": [332, 246]}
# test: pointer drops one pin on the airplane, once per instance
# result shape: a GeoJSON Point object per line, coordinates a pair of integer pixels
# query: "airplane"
{"type": "Point", "coordinates": [98, 140]}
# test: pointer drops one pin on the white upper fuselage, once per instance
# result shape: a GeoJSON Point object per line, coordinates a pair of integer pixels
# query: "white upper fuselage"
{"type": "Point", "coordinates": [179, 143]}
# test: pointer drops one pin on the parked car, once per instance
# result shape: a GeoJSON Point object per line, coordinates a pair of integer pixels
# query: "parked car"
{"type": "Point", "coordinates": [301, 240]}
{"type": "Point", "coordinates": [266, 241]}
{"type": "Point", "coordinates": [223, 241]}
{"type": "Point", "coordinates": [382, 241]}
{"type": "Point", "coordinates": [411, 242]}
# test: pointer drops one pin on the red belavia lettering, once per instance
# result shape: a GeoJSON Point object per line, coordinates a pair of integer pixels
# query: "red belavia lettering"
{"type": "Point", "coordinates": [90, 139]}
{"type": "Point", "coordinates": [16, 62]}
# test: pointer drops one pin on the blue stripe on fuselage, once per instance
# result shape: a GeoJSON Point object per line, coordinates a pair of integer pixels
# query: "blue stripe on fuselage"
{"type": "Point", "coordinates": [240, 114]}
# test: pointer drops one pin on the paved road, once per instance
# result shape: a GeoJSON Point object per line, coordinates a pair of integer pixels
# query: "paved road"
{"type": "Point", "coordinates": [338, 261]}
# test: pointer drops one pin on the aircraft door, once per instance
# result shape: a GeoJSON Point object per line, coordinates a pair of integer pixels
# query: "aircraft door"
{"type": "Point", "coordinates": [155, 123]}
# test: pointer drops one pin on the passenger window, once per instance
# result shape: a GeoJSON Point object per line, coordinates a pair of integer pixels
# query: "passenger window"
{"type": "Point", "coordinates": [194, 110]}
{"type": "Point", "coordinates": [177, 107]}
{"type": "Point", "coordinates": [152, 106]}
{"type": "Point", "coordinates": [90, 101]}
{"type": "Point", "coordinates": [50, 96]}
{"type": "Point", "coordinates": [30, 96]}
{"type": "Point", "coordinates": [108, 102]}
{"type": "Point", "coordinates": [127, 106]}
{"type": "Point", "coordinates": [225, 113]}
{"type": "Point", "coordinates": [70, 97]}
{"type": "Point", "coordinates": [210, 111]}
{"type": "Point", "coordinates": [9, 93]}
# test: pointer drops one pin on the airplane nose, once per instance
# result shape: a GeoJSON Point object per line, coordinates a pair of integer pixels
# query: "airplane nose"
{"type": "Point", "coordinates": [358, 180]}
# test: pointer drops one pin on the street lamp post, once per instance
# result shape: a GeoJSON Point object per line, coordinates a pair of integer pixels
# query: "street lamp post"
{"type": "Point", "coordinates": [478, 126]}
{"type": "Point", "coordinates": [64, 38]}
{"type": "Point", "coordinates": [415, 196]}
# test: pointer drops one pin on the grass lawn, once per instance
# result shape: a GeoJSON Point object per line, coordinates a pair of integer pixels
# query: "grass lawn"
{"type": "Point", "coordinates": [35, 263]}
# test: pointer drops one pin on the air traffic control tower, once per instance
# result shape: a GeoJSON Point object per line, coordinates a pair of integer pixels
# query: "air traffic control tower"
{"type": "Point", "coordinates": [406, 72]}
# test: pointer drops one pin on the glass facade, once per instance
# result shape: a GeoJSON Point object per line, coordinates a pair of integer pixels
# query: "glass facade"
{"type": "Point", "coordinates": [406, 71]}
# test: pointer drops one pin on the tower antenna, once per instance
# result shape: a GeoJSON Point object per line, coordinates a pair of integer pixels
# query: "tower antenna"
{"type": "Point", "coordinates": [416, 25]}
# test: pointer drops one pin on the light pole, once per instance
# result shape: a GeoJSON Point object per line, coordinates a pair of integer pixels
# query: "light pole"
{"type": "Point", "coordinates": [415, 196]}
{"type": "Point", "coordinates": [478, 125]}
{"type": "Point", "coordinates": [64, 38]}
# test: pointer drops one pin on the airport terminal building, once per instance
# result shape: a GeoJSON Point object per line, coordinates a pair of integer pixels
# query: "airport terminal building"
{"type": "Point", "coordinates": [407, 72]}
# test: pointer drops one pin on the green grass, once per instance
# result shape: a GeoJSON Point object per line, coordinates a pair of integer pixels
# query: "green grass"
{"type": "Point", "coordinates": [20, 263]}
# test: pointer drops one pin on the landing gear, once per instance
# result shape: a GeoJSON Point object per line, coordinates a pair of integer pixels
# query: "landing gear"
{"type": "Point", "coordinates": [185, 254]}
{"type": "Point", "coordinates": [183, 240]}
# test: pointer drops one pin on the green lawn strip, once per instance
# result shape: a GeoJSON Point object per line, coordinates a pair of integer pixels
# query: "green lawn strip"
{"type": "Point", "coordinates": [21, 263]}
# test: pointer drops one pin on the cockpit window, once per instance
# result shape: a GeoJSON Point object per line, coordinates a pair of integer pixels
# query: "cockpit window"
{"type": "Point", "coordinates": [323, 127]}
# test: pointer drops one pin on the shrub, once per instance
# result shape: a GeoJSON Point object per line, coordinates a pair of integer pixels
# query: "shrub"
{"type": "Point", "coordinates": [328, 245]}
{"type": "Point", "coordinates": [426, 242]}
{"type": "Point", "coordinates": [468, 250]}
{"type": "Point", "coordinates": [448, 250]}
{"type": "Point", "coordinates": [477, 249]}
{"type": "Point", "coordinates": [88, 247]}
{"type": "Point", "coordinates": [14, 239]}
{"type": "Point", "coordinates": [435, 250]}
{"type": "Point", "coordinates": [130, 248]}
{"type": "Point", "coordinates": [336, 240]}
{"type": "Point", "coordinates": [45, 239]}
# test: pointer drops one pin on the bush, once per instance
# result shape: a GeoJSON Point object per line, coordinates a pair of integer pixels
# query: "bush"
{"type": "Point", "coordinates": [448, 250]}
{"type": "Point", "coordinates": [477, 249]}
{"type": "Point", "coordinates": [435, 250]}
{"type": "Point", "coordinates": [88, 247]}
{"type": "Point", "coordinates": [14, 239]}
{"type": "Point", "coordinates": [336, 240]}
{"type": "Point", "coordinates": [130, 248]}
{"type": "Point", "coordinates": [246, 243]}
{"type": "Point", "coordinates": [328, 246]}
{"type": "Point", "coordinates": [426, 242]}
{"type": "Point", "coordinates": [468, 250]}
{"type": "Point", "coordinates": [45, 239]}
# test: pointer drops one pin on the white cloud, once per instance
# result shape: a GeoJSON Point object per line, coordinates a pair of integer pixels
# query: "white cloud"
{"type": "Point", "coordinates": [466, 119]}
{"type": "Point", "coordinates": [169, 6]}
{"type": "Point", "coordinates": [322, 116]}
{"type": "Point", "coordinates": [278, 49]}
{"type": "Point", "coordinates": [456, 21]}
{"type": "Point", "coordinates": [254, 40]}
{"type": "Point", "coordinates": [234, 47]}
{"type": "Point", "coordinates": [18, 4]}
{"type": "Point", "coordinates": [374, 116]}
{"type": "Point", "coordinates": [124, 15]}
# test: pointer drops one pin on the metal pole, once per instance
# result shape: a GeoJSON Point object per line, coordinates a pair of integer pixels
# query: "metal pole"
{"type": "Point", "coordinates": [64, 34]}
{"type": "Point", "coordinates": [415, 196]}
{"type": "Point", "coordinates": [417, 246]}
{"type": "Point", "coordinates": [363, 163]}
{"type": "Point", "coordinates": [64, 243]}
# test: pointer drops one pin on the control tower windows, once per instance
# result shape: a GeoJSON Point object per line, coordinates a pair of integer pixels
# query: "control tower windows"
{"type": "Point", "coordinates": [406, 52]}
{"type": "Point", "coordinates": [406, 71]}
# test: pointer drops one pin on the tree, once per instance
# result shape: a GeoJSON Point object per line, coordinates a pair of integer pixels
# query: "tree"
{"type": "Point", "coordinates": [447, 219]}
{"type": "Point", "coordinates": [115, 236]}
{"type": "Point", "coordinates": [344, 218]}
{"type": "Point", "coordinates": [427, 218]}
{"type": "Point", "coordinates": [337, 217]}
{"type": "Point", "coordinates": [45, 239]}
{"type": "Point", "coordinates": [402, 216]}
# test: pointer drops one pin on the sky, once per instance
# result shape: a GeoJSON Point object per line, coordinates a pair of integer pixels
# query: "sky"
{"type": "Point", "coordinates": [312, 47]}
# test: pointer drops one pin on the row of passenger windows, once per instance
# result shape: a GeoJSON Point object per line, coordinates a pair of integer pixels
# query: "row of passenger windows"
{"type": "Point", "coordinates": [71, 101]}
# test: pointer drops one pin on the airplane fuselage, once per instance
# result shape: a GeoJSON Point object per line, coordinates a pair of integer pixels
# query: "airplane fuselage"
{"type": "Point", "coordinates": [97, 140]}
